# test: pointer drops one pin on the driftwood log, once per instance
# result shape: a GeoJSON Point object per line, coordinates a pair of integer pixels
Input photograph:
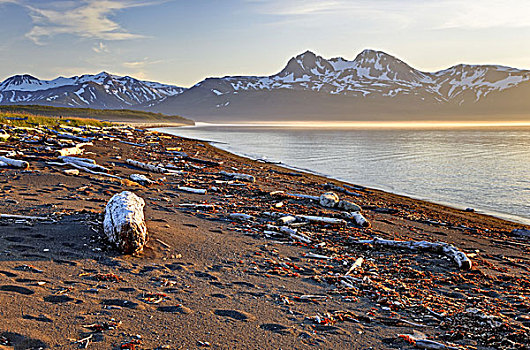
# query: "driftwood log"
{"type": "Point", "coordinates": [459, 257]}
{"type": "Point", "coordinates": [358, 218]}
{"type": "Point", "coordinates": [145, 166]}
{"type": "Point", "coordinates": [141, 179]}
{"type": "Point", "coordinates": [238, 176]}
{"type": "Point", "coordinates": [75, 150]}
{"type": "Point", "coordinates": [124, 222]}
{"type": "Point", "coordinates": [348, 206]}
{"type": "Point", "coordinates": [15, 163]}
{"type": "Point", "coordinates": [322, 220]}
{"type": "Point", "coordinates": [192, 190]}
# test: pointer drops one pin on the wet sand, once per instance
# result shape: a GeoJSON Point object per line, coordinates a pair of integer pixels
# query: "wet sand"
{"type": "Point", "coordinates": [207, 281]}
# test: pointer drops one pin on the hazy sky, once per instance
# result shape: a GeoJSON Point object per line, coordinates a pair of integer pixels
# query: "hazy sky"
{"type": "Point", "coordinates": [183, 41]}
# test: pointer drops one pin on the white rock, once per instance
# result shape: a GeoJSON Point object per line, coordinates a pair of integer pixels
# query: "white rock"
{"type": "Point", "coordinates": [329, 200]}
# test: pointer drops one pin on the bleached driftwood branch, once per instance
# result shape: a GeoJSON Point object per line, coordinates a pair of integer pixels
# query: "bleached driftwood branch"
{"type": "Point", "coordinates": [294, 234]}
{"type": "Point", "coordinates": [355, 266]}
{"type": "Point", "coordinates": [460, 258]}
{"type": "Point", "coordinates": [303, 196]}
{"type": "Point", "coordinates": [192, 190]}
{"type": "Point", "coordinates": [145, 166]}
{"type": "Point", "coordinates": [71, 151]}
{"type": "Point", "coordinates": [15, 163]}
{"type": "Point", "coordinates": [322, 220]}
{"type": "Point", "coordinates": [83, 162]}
{"type": "Point", "coordinates": [124, 223]}
{"type": "Point", "coordinates": [240, 216]}
{"type": "Point", "coordinates": [197, 206]}
{"type": "Point", "coordinates": [141, 179]}
{"type": "Point", "coordinates": [358, 218]}
{"type": "Point", "coordinates": [22, 217]}
{"type": "Point", "coordinates": [238, 176]}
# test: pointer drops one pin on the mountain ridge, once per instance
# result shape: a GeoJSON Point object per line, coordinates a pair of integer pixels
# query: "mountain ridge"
{"type": "Point", "coordinates": [374, 85]}
{"type": "Point", "coordinates": [102, 90]}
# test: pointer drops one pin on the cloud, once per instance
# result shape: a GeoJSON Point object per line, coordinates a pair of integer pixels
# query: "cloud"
{"type": "Point", "coordinates": [138, 68]}
{"type": "Point", "coordinates": [489, 14]}
{"type": "Point", "coordinates": [87, 19]}
{"type": "Point", "coordinates": [434, 14]}
{"type": "Point", "coordinates": [100, 48]}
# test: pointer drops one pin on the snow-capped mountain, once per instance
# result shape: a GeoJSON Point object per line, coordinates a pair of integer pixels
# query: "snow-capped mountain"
{"type": "Point", "coordinates": [102, 90]}
{"type": "Point", "coordinates": [374, 85]}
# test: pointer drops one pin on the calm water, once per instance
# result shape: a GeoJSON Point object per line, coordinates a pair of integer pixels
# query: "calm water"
{"type": "Point", "coordinates": [487, 169]}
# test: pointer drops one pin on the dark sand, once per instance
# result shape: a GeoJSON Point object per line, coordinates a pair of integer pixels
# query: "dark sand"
{"type": "Point", "coordinates": [223, 284]}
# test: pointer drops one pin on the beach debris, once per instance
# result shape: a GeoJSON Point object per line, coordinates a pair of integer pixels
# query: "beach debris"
{"type": "Point", "coordinates": [163, 243]}
{"type": "Point", "coordinates": [425, 343]}
{"type": "Point", "coordinates": [22, 217]}
{"type": "Point", "coordinates": [14, 162]}
{"type": "Point", "coordinates": [329, 200]}
{"type": "Point", "coordinates": [333, 187]}
{"type": "Point", "coordinates": [331, 318]}
{"type": "Point", "coordinates": [133, 144]}
{"type": "Point", "coordinates": [130, 345]}
{"type": "Point", "coordinates": [192, 190]}
{"type": "Point", "coordinates": [240, 217]}
{"type": "Point", "coordinates": [85, 340]}
{"type": "Point", "coordinates": [63, 135]}
{"type": "Point", "coordinates": [87, 165]}
{"type": "Point", "coordinates": [237, 176]}
{"type": "Point", "coordinates": [317, 256]}
{"type": "Point", "coordinates": [286, 220]}
{"type": "Point", "coordinates": [201, 161]}
{"type": "Point", "coordinates": [124, 222]}
{"type": "Point", "coordinates": [355, 266]}
{"type": "Point", "coordinates": [298, 195]}
{"type": "Point", "coordinates": [100, 327]}
{"type": "Point", "coordinates": [460, 258]}
{"type": "Point", "coordinates": [75, 150]}
{"type": "Point", "coordinates": [322, 220]}
{"type": "Point", "coordinates": [521, 232]}
{"type": "Point", "coordinates": [107, 277]}
{"type": "Point", "coordinates": [153, 298]}
{"type": "Point", "coordinates": [145, 166]}
{"type": "Point", "coordinates": [83, 163]}
{"type": "Point", "coordinates": [4, 135]}
{"type": "Point", "coordinates": [74, 172]}
{"type": "Point", "coordinates": [141, 179]}
{"type": "Point", "coordinates": [199, 206]}
{"type": "Point", "coordinates": [358, 218]}
{"type": "Point", "coordinates": [348, 206]}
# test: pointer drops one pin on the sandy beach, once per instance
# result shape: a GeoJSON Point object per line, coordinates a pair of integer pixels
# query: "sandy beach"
{"type": "Point", "coordinates": [210, 279]}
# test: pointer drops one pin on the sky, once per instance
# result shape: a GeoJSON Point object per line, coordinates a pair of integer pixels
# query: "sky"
{"type": "Point", "coordinates": [181, 42]}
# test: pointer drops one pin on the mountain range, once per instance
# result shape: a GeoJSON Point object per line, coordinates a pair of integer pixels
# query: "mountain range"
{"type": "Point", "coordinates": [373, 86]}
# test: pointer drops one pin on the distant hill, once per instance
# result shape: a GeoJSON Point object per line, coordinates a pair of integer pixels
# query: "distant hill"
{"type": "Point", "coordinates": [114, 115]}
{"type": "Point", "coordinates": [373, 86]}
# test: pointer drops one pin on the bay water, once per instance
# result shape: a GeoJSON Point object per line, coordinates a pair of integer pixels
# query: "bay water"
{"type": "Point", "coordinates": [485, 168]}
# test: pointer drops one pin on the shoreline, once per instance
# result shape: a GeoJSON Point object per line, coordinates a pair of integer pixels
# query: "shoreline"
{"type": "Point", "coordinates": [513, 218]}
{"type": "Point", "coordinates": [210, 279]}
